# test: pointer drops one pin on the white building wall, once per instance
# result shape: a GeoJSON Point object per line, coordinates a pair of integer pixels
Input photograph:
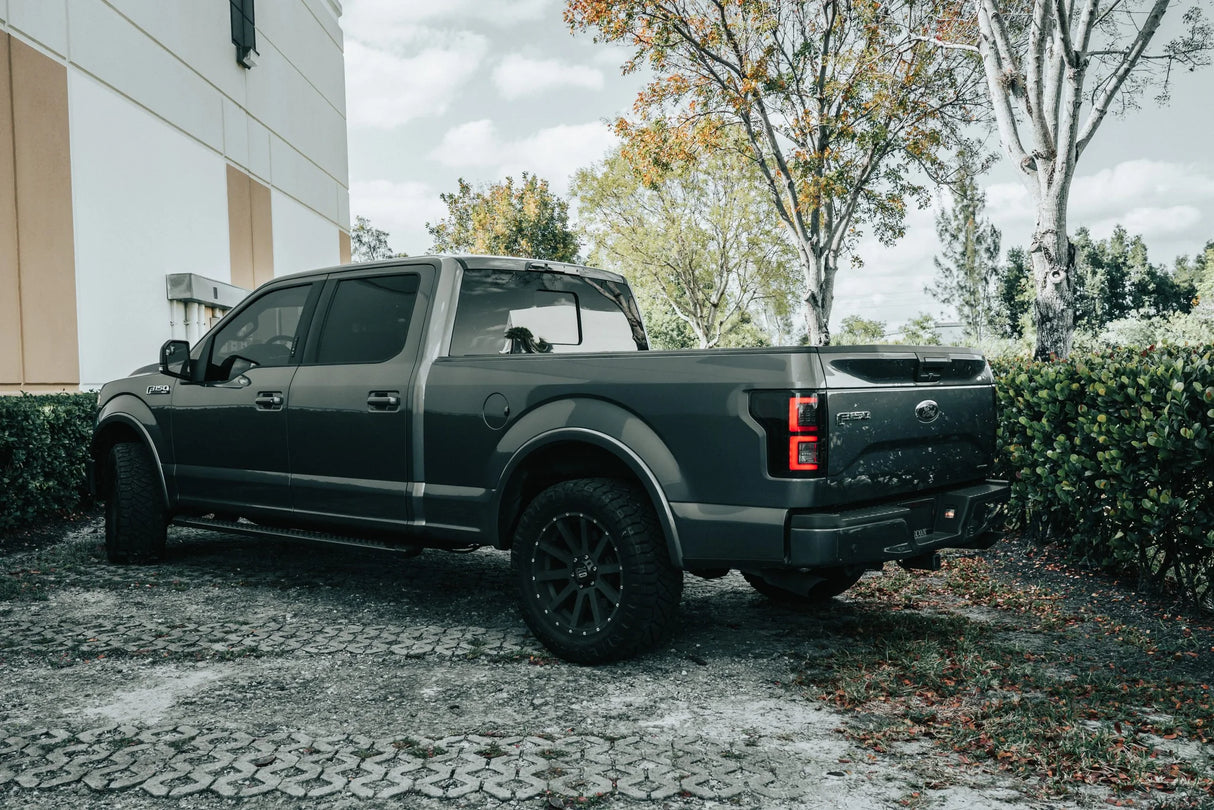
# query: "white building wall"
{"type": "Point", "coordinates": [300, 240]}
{"type": "Point", "coordinates": [159, 108]}
{"type": "Point", "coordinates": [148, 201]}
{"type": "Point", "coordinates": [296, 93]}
{"type": "Point", "coordinates": [41, 21]}
{"type": "Point", "coordinates": [106, 45]}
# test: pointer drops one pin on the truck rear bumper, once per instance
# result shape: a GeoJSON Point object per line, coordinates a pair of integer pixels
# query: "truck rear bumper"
{"type": "Point", "coordinates": [958, 518]}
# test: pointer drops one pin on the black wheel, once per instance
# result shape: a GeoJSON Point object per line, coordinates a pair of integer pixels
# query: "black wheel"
{"type": "Point", "coordinates": [135, 526]}
{"type": "Point", "coordinates": [595, 580]}
{"type": "Point", "coordinates": [833, 582]}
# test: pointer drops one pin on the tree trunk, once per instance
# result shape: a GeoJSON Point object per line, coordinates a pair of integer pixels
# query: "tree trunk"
{"type": "Point", "coordinates": [816, 326]}
{"type": "Point", "coordinates": [819, 285]}
{"type": "Point", "coordinates": [1054, 277]}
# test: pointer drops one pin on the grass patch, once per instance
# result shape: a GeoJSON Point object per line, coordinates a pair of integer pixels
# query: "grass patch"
{"type": "Point", "coordinates": [1006, 696]}
{"type": "Point", "coordinates": [416, 748]}
{"type": "Point", "coordinates": [17, 587]}
{"type": "Point", "coordinates": [492, 751]}
{"type": "Point", "coordinates": [33, 572]}
{"type": "Point", "coordinates": [74, 557]}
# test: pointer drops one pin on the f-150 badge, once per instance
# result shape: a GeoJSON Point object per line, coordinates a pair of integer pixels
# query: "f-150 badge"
{"type": "Point", "coordinates": [158, 389]}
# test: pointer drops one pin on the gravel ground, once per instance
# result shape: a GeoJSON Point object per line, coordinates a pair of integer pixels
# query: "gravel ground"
{"type": "Point", "coordinates": [246, 673]}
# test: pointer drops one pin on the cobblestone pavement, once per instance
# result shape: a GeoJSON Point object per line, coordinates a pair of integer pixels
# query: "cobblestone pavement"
{"type": "Point", "coordinates": [22, 635]}
{"type": "Point", "coordinates": [181, 760]}
{"type": "Point", "coordinates": [279, 674]}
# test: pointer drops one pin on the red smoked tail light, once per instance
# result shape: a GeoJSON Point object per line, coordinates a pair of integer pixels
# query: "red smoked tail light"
{"type": "Point", "coordinates": [802, 413]}
{"type": "Point", "coordinates": [803, 453]}
{"type": "Point", "coordinates": [795, 427]}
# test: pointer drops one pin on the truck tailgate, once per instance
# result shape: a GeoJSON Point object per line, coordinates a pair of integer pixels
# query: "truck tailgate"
{"type": "Point", "coordinates": [913, 419]}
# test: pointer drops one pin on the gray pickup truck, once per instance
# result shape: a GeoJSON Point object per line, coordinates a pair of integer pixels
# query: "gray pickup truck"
{"type": "Point", "coordinates": [460, 401]}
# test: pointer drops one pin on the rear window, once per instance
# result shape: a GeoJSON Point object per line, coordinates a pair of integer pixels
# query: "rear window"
{"type": "Point", "coordinates": [368, 319]}
{"type": "Point", "coordinates": [503, 312]}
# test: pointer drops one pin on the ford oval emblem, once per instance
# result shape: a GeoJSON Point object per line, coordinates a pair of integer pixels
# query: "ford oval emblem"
{"type": "Point", "coordinates": [927, 411]}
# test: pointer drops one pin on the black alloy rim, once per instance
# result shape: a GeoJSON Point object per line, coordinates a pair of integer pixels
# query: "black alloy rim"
{"type": "Point", "coordinates": [576, 574]}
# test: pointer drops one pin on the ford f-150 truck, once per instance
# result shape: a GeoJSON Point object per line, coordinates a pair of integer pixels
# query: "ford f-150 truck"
{"type": "Point", "coordinates": [461, 401]}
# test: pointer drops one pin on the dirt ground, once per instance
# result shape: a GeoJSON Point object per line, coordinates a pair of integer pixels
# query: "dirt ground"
{"type": "Point", "coordinates": [247, 673]}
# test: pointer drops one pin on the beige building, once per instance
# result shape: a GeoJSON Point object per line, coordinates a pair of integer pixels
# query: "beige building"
{"type": "Point", "coordinates": [158, 158]}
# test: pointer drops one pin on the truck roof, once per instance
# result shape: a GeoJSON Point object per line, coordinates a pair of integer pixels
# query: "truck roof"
{"type": "Point", "coordinates": [469, 261]}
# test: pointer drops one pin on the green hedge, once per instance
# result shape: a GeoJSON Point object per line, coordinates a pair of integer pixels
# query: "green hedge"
{"type": "Point", "coordinates": [1110, 456]}
{"type": "Point", "coordinates": [44, 441]}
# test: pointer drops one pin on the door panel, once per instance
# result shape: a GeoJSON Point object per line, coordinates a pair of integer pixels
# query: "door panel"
{"type": "Point", "coordinates": [230, 423]}
{"type": "Point", "coordinates": [350, 410]}
{"type": "Point", "coordinates": [230, 441]}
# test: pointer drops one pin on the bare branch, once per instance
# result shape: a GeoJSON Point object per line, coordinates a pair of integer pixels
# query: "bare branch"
{"type": "Point", "coordinates": [1062, 31]}
{"type": "Point", "coordinates": [1000, 92]}
{"type": "Point", "coordinates": [940, 43]}
{"type": "Point", "coordinates": [1036, 91]}
{"type": "Point", "coordinates": [1131, 57]}
{"type": "Point", "coordinates": [1108, 12]}
{"type": "Point", "coordinates": [999, 36]}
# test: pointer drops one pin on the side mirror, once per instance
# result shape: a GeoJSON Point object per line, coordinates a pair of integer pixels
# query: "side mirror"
{"type": "Point", "coordinates": [175, 359]}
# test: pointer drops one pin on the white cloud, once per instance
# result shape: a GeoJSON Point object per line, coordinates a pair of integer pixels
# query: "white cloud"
{"type": "Point", "coordinates": [612, 54]}
{"type": "Point", "coordinates": [402, 209]}
{"type": "Point", "coordinates": [1160, 200]}
{"type": "Point", "coordinates": [557, 152]}
{"type": "Point", "coordinates": [1009, 203]}
{"type": "Point", "coordinates": [517, 76]}
{"type": "Point", "coordinates": [1174, 219]}
{"type": "Point", "coordinates": [384, 90]}
{"type": "Point", "coordinates": [553, 154]}
{"type": "Point", "coordinates": [1134, 183]}
{"type": "Point", "coordinates": [472, 144]}
{"type": "Point", "coordinates": [405, 21]}
{"type": "Point", "coordinates": [890, 285]}
{"type": "Point", "coordinates": [1111, 194]}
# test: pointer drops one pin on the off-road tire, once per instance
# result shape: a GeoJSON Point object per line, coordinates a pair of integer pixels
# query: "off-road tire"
{"type": "Point", "coordinates": [135, 526]}
{"type": "Point", "coordinates": [595, 581]}
{"type": "Point", "coordinates": [835, 581]}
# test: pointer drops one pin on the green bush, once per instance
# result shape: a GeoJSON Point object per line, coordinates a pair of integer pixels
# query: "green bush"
{"type": "Point", "coordinates": [44, 442]}
{"type": "Point", "coordinates": [1110, 455]}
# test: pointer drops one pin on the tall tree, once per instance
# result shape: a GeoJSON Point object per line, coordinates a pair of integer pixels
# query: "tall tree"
{"type": "Point", "coordinates": [1054, 69]}
{"type": "Point", "coordinates": [920, 331]}
{"type": "Point", "coordinates": [368, 243]}
{"type": "Point", "coordinates": [702, 239]}
{"type": "Point", "coordinates": [837, 100]}
{"type": "Point", "coordinates": [1013, 293]}
{"type": "Point", "coordinates": [1202, 274]}
{"type": "Point", "coordinates": [858, 331]}
{"type": "Point", "coordinates": [505, 219]}
{"type": "Point", "coordinates": [966, 276]}
{"type": "Point", "coordinates": [1115, 279]}
{"type": "Point", "coordinates": [1198, 272]}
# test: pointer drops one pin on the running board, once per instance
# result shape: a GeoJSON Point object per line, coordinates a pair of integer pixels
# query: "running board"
{"type": "Point", "coordinates": [272, 533]}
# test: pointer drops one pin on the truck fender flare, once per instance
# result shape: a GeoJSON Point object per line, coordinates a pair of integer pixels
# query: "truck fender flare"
{"type": "Point", "coordinates": [642, 468]}
{"type": "Point", "coordinates": [130, 411]}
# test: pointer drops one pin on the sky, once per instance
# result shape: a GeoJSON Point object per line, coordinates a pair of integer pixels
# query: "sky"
{"type": "Point", "coordinates": [437, 90]}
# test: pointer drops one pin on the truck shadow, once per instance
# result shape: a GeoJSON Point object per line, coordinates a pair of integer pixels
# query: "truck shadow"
{"type": "Point", "coordinates": [719, 618]}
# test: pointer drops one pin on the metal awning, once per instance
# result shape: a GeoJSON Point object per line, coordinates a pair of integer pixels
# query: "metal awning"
{"type": "Point", "coordinates": [192, 288]}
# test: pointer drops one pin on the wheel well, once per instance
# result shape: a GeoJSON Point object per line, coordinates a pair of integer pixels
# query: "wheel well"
{"type": "Point", "coordinates": [104, 441]}
{"type": "Point", "coordinates": [561, 461]}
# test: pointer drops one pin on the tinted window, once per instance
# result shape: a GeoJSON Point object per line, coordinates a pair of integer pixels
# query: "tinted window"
{"type": "Point", "coordinates": [368, 319]}
{"type": "Point", "coordinates": [504, 312]}
{"type": "Point", "coordinates": [265, 333]}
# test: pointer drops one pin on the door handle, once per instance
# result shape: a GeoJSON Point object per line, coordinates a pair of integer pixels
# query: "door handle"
{"type": "Point", "coordinates": [384, 401]}
{"type": "Point", "coordinates": [269, 400]}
